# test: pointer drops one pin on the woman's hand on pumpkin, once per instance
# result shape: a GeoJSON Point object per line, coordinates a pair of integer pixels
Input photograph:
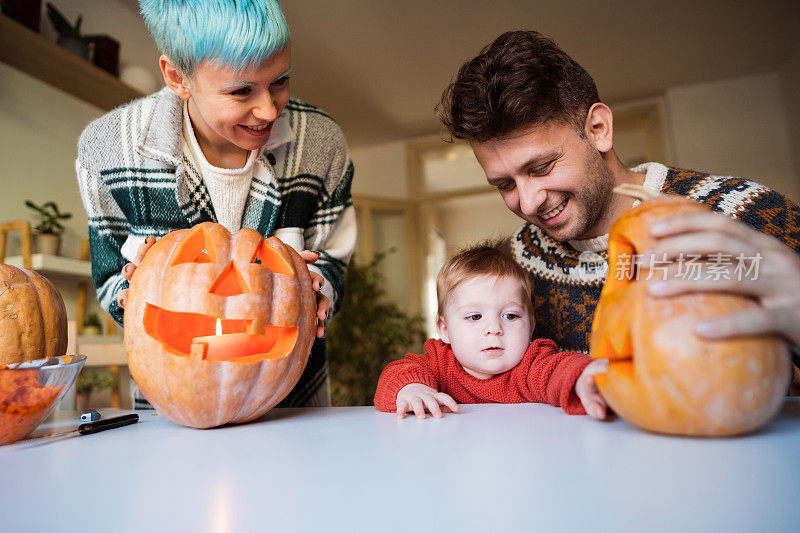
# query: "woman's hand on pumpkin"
{"type": "Point", "coordinates": [773, 279]}
{"type": "Point", "coordinates": [418, 398]}
{"type": "Point", "coordinates": [317, 282]}
{"type": "Point", "coordinates": [130, 268]}
{"type": "Point", "coordinates": [587, 390]}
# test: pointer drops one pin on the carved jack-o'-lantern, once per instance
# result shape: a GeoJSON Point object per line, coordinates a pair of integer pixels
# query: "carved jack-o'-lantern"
{"type": "Point", "coordinates": [661, 376]}
{"type": "Point", "coordinates": [218, 327]}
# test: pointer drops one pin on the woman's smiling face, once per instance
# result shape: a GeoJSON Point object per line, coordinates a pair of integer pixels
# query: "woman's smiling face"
{"type": "Point", "coordinates": [234, 112]}
{"type": "Point", "coordinates": [487, 324]}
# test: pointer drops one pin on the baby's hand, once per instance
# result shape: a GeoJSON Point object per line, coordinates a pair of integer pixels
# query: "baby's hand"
{"type": "Point", "coordinates": [587, 390]}
{"type": "Point", "coordinates": [417, 397]}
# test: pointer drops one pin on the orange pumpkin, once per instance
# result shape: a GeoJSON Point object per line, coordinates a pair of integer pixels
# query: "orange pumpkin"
{"type": "Point", "coordinates": [196, 283]}
{"type": "Point", "coordinates": [33, 319]}
{"type": "Point", "coordinates": [661, 376]}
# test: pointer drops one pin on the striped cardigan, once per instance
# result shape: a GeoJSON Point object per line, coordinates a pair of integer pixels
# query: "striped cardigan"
{"type": "Point", "coordinates": [135, 182]}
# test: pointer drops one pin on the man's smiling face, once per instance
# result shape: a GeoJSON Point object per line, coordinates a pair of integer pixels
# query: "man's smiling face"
{"type": "Point", "coordinates": [552, 177]}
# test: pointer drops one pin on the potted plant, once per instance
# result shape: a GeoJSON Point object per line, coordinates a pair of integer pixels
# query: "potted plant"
{"type": "Point", "coordinates": [367, 334]}
{"type": "Point", "coordinates": [92, 380]}
{"type": "Point", "coordinates": [47, 239]}
{"type": "Point", "coordinates": [69, 35]}
{"type": "Point", "coordinates": [92, 325]}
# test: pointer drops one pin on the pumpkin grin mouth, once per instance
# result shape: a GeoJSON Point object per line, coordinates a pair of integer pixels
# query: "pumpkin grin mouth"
{"type": "Point", "coordinates": [195, 335]}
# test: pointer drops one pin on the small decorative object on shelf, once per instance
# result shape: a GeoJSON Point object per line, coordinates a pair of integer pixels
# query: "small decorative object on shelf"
{"type": "Point", "coordinates": [47, 239]}
{"type": "Point", "coordinates": [69, 36]}
{"type": "Point", "coordinates": [92, 325]}
{"type": "Point", "coordinates": [105, 53]}
{"type": "Point", "coordinates": [26, 12]}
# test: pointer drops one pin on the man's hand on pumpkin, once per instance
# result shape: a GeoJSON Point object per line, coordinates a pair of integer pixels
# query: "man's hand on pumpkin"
{"type": "Point", "coordinates": [587, 390]}
{"type": "Point", "coordinates": [775, 287]}
{"type": "Point", "coordinates": [417, 397]}
{"type": "Point", "coordinates": [317, 282]}
{"type": "Point", "coordinates": [130, 268]}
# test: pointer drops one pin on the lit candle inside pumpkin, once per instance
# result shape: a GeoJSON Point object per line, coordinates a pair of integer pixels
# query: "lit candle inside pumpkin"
{"type": "Point", "coordinates": [221, 347]}
{"type": "Point", "coordinates": [275, 343]}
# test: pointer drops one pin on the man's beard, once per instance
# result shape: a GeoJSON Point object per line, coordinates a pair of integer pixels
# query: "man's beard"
{"type": "Point", "coordinates": [590, 203]}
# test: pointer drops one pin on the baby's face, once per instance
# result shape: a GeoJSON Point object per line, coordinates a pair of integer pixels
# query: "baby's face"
{"type": "Point", "coordinates": [487, 324]}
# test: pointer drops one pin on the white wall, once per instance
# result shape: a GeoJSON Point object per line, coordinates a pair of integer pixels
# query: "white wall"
{"type": "Point", "coordinates": [380, 170]}
{"type": "Point", "coordinates": [469, 219]}
{"type": "Point", "coordinates": [38, 146]}
{"type": "Point", "coordinates": [735, 127]}
{"type": "Point", "coordinates": [39, 129]}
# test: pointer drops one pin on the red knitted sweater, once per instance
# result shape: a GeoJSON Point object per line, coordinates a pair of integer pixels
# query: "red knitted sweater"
{"type": "Point", "coordinates": [544, 375]}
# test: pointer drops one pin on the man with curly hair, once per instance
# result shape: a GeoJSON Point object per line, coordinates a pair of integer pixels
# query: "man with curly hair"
{"type": "Point", "coordinates": [537, 126]}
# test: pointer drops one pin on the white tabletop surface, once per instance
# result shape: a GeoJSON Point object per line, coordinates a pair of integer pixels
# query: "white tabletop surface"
{"type": "Point", "coordinates": [504, 468]}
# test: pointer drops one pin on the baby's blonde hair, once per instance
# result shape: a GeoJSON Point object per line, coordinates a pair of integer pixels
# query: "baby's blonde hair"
{"type": "Point", "coordinates": [492, 258]}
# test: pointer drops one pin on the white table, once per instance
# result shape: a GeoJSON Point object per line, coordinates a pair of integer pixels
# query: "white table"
{"type": "Point", "coordinates": [491, 468]}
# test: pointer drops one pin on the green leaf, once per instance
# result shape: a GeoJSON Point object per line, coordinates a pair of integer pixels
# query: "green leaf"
{"type": "Point", "coordinates": [49, 215]}
{"type": "Point", "coordinates": [61, 24]}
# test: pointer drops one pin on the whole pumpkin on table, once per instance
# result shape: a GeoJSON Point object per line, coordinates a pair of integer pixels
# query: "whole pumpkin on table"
{"type": "Point", "coordinates": [661, 376]}
{"type": "Point", "coordinates": [33, 325]}
{"type": "Point", "coordinates": [196, 283]}
{"type": "Point", "coordinates": [33, 319]}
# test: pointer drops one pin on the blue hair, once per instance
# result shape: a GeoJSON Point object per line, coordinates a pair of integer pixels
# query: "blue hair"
{"type": "Point", "coordinates": [230, 33]}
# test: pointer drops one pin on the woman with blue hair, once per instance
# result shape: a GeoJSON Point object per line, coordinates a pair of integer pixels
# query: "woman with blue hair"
{"type": "Point", "coordinates": [222, 142]}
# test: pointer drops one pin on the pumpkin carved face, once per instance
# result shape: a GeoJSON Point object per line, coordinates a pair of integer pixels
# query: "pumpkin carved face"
{"type": "Point", "coordinates": [218, 327]}
{"type": "Point", "coordinates": [661, 376]}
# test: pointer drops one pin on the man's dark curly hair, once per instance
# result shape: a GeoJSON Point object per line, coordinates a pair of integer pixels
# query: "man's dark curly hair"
{"type": "Point", "coordinates": [522, 79]}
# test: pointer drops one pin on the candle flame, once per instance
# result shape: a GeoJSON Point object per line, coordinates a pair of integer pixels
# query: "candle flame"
{"type": "Point", "coordinates": [219, 326]}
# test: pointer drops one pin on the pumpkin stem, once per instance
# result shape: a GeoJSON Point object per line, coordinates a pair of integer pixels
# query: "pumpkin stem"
{"type": "Point", "coordinates": [635, 191]}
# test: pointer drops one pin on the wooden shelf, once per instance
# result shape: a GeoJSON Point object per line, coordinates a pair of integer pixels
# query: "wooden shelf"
{"type": "Point", "coordinates": [34, 54]}
{"type": "Point", "coordinates": [54, 265]}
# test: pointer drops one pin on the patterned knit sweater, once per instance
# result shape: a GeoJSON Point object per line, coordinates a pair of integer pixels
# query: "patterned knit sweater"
{"type": "Point", "coordinates": [544, 375]}
{"type": "Point", "coordinates": [568, 276]}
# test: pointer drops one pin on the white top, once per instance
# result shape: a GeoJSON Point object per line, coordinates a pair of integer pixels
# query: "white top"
{"type": "Point", "coordinates": [504, 468]}
{"type": "Point", "coordinates": [227, 187]}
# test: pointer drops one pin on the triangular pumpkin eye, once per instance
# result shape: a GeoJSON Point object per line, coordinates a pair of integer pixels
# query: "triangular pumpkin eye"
{"type": "Point", "coordinates": [196, 248]}
{"type": "Point", "coordinates": [272, 259]}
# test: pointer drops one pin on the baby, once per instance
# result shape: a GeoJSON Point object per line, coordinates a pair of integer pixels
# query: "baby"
{"type": "Point", "coordinates": [485, 355]}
